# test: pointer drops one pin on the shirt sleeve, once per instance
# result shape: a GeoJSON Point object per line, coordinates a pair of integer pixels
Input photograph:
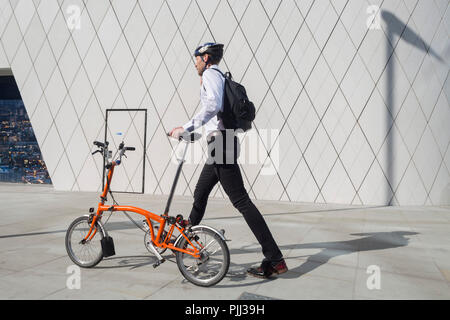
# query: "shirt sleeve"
{"type": "Point", "coordinates": [210, 99]}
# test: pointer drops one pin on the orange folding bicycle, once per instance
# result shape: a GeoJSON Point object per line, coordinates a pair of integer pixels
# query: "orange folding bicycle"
{"type": "Point", "coordinates": [201, 252]}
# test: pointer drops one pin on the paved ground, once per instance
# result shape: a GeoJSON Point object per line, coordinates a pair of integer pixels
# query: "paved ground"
{"type": "Point", "coordinates": [332, 251]}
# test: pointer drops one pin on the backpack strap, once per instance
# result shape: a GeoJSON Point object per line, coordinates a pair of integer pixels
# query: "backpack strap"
{"type": "Point", "coordinates": [217, 71]}
{"type": "Point", "coordinates": [227, 75]}
{"type": "Point", "coordinates": [225, 111]}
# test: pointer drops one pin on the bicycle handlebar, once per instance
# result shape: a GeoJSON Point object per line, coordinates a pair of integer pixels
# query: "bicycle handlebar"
{"type": "Point", "coordinates": [188, 137]}
{"type": "Point", "coordinates": [104, 150]}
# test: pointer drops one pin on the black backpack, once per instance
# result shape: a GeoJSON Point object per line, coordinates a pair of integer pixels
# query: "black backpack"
{"type": "Point", "coordinates": [238, 112]}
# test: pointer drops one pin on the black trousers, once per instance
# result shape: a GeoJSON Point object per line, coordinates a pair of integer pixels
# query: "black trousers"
{"type": "Point", "coordinates": [229, 176]}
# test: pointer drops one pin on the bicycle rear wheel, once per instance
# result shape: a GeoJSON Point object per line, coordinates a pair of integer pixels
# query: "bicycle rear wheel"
{"type": "Point", "coordinates": [88, 253]}
{"type": "Point", "coordinates": [214, 259]}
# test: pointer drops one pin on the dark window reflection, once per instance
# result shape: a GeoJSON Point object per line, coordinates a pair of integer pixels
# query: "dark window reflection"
{"type": "Point", "coordinates": [20, 156]}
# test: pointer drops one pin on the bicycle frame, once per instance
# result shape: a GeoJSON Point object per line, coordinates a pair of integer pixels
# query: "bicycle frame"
{"type": "Point", "coordinates": [149, 216]}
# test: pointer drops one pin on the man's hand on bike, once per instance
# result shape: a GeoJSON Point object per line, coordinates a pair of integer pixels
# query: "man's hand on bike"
{"type": "Point", "coordinates": [176, 132]}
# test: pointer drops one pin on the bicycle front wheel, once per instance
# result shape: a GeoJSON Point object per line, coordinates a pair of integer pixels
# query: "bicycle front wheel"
{"type": "Point", "coordinates": [88, 253]}
{"type": "Point", "coordinates": [214, 259]}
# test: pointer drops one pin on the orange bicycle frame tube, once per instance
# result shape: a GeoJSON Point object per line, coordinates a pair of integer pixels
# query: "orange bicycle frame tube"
{"type": "Point", "coordinates": [149, 216]}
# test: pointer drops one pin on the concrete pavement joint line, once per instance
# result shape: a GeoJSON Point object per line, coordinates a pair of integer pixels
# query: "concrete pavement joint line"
{"type": "Point", "coordinates": [444, 272]}
{"type": "Point", "coordinates": [34, 266]}
{"type": "Point", "coordinates": [115, 227]}
{"type": "Point", "coordinates": [157, 290]}
{"type": "Point", "coordinates": [303, 275]}
{"type": "Point", "coordinates": [298, 212]}
{"type": "Point", "coordinates": [52, 293]}
{"type": "Point", "coordinates": [31, 234]}
{"type": "Point", "coordinates": [10, 271]}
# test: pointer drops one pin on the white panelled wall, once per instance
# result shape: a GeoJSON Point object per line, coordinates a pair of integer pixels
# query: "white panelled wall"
{"type": "Point", "coordinates": [352, 96]}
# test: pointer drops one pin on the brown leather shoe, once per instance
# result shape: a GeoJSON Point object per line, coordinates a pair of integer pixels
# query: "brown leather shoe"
{"type": "Point", "coordinates": [267, 269]}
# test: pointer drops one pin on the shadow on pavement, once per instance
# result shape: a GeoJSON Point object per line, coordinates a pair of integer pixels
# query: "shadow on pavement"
{"type": "Point", "coordinates": [237, 272]}
{"type": "Point", "coordinates": [131, 262]}
{"type": "Point", "coordinates": [371, 241]}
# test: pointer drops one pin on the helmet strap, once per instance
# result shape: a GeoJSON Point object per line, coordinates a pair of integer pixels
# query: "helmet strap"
{"type": "Point", "coordinates": [205, 61]}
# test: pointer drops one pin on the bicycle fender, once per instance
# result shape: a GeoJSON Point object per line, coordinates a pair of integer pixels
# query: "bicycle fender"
{"type": "Point", "coordinates": [200, 227]}
{"type": "Point", "coordinates": [100, 224]}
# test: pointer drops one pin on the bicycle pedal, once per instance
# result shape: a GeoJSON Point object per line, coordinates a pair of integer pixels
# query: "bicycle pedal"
{"type": "Point", "coordinates": [158, 263]}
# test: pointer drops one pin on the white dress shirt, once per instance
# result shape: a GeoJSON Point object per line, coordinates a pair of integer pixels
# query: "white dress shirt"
{"type": "Point", "coordinates": [211, 100]}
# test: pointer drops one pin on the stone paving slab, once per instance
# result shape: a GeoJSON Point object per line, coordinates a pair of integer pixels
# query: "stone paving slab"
{"type": "Point", "coordinates": [329, 249]}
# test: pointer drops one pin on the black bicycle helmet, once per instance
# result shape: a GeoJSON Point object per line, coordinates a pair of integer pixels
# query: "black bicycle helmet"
{"type": "Point", "coordinates": [214, 49]}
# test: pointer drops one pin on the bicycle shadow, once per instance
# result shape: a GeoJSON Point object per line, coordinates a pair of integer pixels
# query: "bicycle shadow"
{"type": "Point", "coordinates": [131, 262]}
{"type": "Point", "coordinates": [371, 241]}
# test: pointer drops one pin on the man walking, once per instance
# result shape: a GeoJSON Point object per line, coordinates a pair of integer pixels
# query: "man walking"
{"type": "Point", "coordinates": [227, 172]}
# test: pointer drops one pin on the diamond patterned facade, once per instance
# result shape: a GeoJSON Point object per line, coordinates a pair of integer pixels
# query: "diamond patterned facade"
{"type": "Point", "coordinates": [356, 92]}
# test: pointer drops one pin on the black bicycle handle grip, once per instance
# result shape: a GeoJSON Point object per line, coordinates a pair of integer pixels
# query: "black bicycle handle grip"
{"type": "Point", "coordinates": [130, 148]}
{"type": "Point", "coordinates": [169, 135]}
{"type": "Point", "coordinates": [99, 144]}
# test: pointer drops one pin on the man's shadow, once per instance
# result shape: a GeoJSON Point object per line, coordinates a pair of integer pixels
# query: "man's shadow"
{"type": "Point", "coordinates": [371, 241]}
